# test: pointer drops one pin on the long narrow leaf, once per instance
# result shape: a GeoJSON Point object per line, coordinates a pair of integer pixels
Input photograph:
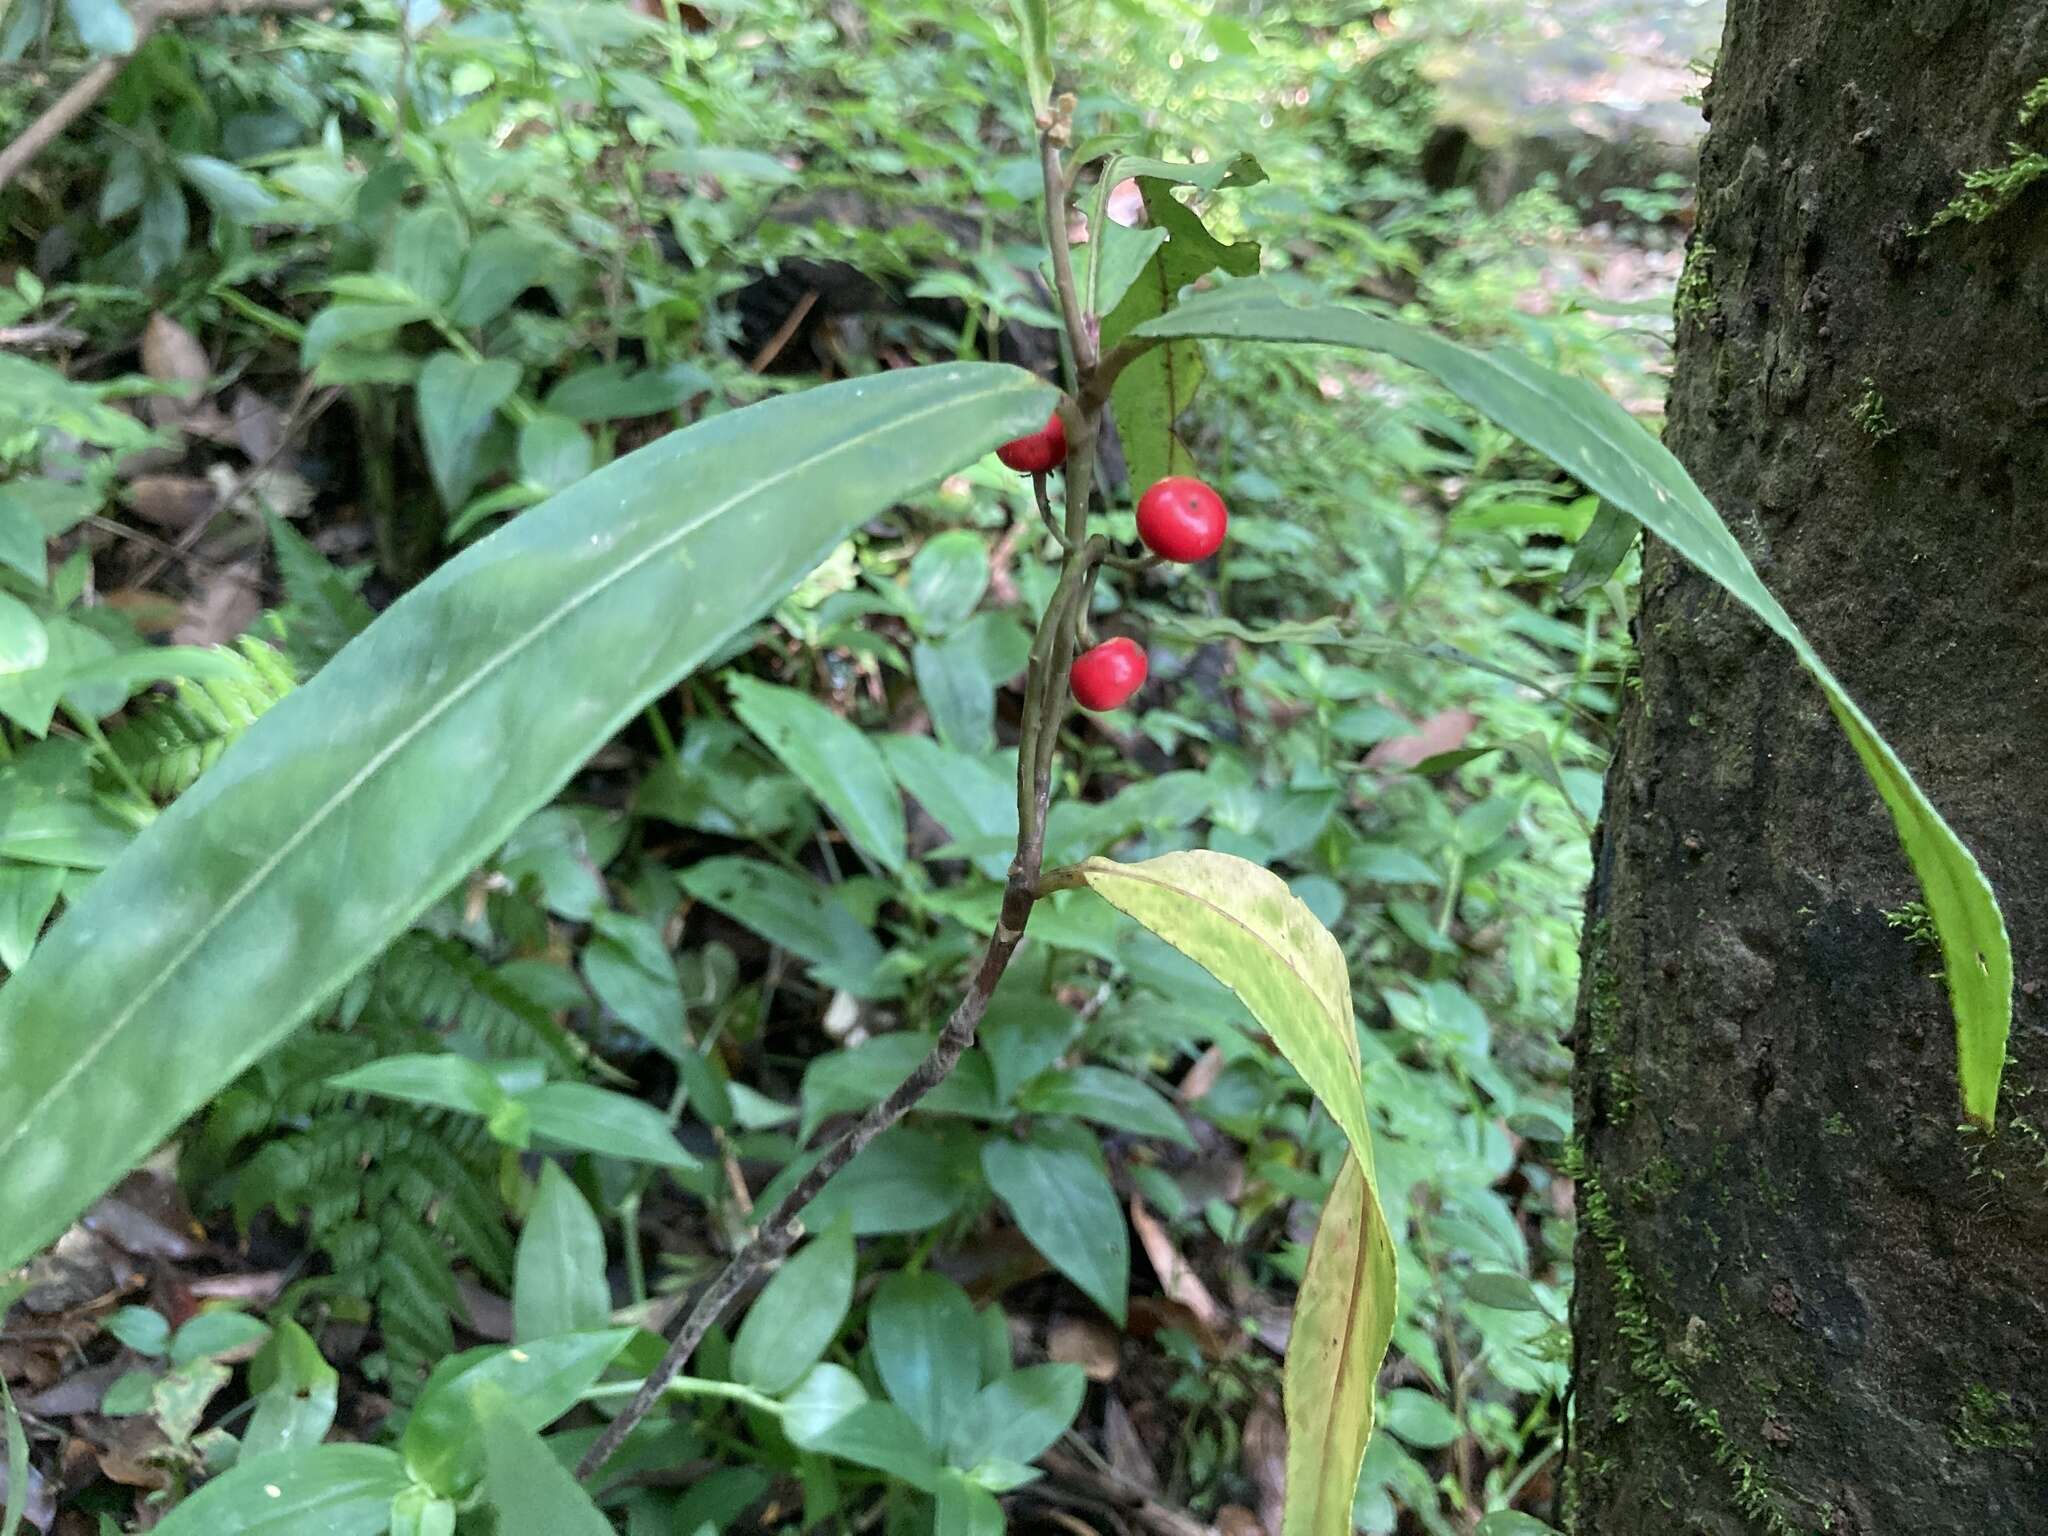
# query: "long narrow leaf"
{"type": "Point", "coordinates": [1608, 452]}
{"type": "Point", "coordinates": [364, 795]}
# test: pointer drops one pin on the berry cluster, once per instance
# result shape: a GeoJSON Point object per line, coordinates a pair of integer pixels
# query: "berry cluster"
{"type": "Point", "coordinates": [1180, 519]}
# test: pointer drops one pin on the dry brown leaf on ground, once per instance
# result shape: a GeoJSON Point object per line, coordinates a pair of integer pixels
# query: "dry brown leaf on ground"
{"type": "Point", "coordinates": [171, 501]}
{"type": "Point", "coordinates": [1264, 1459]}
{"type": "Point", "coordinates": [1444, 731]}
{"type": "Point", "coordinates": [1094, 1346]}
{"type": "Point", "coordinates": [1201, 1077]}
{"type": "Point", "coordinates": [228, 601]}
{"type": "Point", "coordinates": [172, 355]}
{"type": "Point", "coordinates": [1125, 1447]}
{"type": "Point", "coordinates": [1176, 1276]}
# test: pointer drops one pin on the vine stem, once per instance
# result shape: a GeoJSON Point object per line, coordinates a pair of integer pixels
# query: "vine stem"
{"type": "Point", "coordinates": [1044, 706]}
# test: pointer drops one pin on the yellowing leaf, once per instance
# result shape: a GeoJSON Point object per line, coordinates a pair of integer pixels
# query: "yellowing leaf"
{"type": "Point", "coordinates": [1343, 1318]}
{"type": "Point", "coordinates": [1243, 926]}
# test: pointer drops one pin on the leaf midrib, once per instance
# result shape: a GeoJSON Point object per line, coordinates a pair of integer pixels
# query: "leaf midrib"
{"type": "Point", "coordinates": [440, 707]}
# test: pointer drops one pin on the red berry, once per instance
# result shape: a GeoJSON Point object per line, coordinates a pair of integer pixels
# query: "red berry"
{"type": "Point", "coordinates": [1105, 676]}
{"type": "Point", "coordinates": [1043, 450]}
{"type": "Point", "coordinates": [1182, 519]}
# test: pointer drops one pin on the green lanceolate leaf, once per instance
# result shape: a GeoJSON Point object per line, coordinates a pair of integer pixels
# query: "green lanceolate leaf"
{"type": "Point", "coordinates": [1608, 452]}
{"type": "Point", "coordinates": [837, 763]}
{"type": "Point", "coordinates": [531, 1490]}
{"type": "Point", "coordinates": [1598, 554]}
{"type": "Point", "coordinates": [1034, 47]}
{"type": "Point", "coordinates": [1152, 392]}
{"type": "Point", "coordinates": [1243, 926]}
{"type": "Point", "coordinates": [337, 1490]}
{"type": "Point", "coordinates": [558, 1283]}
{"type": "Point", "coordinates": [362, 796]}
{"type": "Point", "coordinates": [457, 401]}
{"type": "Point", "coordinates": [797, 1315]}
{"type": "Point", "coordinates": [1343, 1318]}
{"type": "Point", "coordinates": [1053, 1184]}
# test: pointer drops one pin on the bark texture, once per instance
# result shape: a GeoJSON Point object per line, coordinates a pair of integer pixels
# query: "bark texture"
{"type": "Point", "coordinates": [1806, 1302]}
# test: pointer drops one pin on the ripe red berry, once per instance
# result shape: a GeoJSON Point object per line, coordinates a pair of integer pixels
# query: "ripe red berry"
{"type": "Point", "coordinates": [1105, 676]}
{"type": "Point", "coordinates": [1182, 519]}
{"type": "Point", "coordinates": [1043, 450]}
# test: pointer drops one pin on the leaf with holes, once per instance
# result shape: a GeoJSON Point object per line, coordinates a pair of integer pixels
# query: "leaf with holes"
{"type": "Point", "coordinates": [355, 802]}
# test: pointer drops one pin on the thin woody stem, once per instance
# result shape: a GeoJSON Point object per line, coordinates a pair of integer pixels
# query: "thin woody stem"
{"type": "Point", "coordinates": [1052, 653]}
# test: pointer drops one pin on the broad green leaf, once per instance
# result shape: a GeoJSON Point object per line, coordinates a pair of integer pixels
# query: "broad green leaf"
{"type": "Point", "coordinates": [868, 1073]}
{"type": "Point", "coordinates": [20, 1472]}
{"type": "Point", "coordinates": [1608, 452]}
{"type": "Point", "coordinates": [336, 1490]}
{"type": "Point", "coordinates": [1503, 1289]}
{"type": "Point", "coordinates": [554, 453]}
{"type": "Point", "coordinates": [539, 1382]}
{"type": "Point", "coordinates": [880, 1435]}
{"type": "Point", "coordinates": [1598, 553]}
{"type": "Point", "coordinates": [296, 1394]}
{"type": "Point", "coordinates": [24, 643]}
{"type": "Point", "coordinates": [965, 1510]}
{"type": "Point", "coordinates": [458, 400]}
{"type": "Point", "coordinates": [958, 677]}
{"type": "Point", "coordinates": [27, 893]}
{"type": "Point", "coordinates": [795, 913]}
{"type": "Point", "coordinates": [440, 1080]}
{"type": "Point", "coordinates": [1015, 1417]}
{"type": "Point", "coordinates": [21, 540]}
{"type": "Point", "coordinates": [531, 1490]}
{"type": "Point", "coordinates": [824, 1397]}
{"type": "Point", "coordinates": [947, 579]}
{"type": "Point", "coordinates": [610, 391]}
{"type": "Point", "coordinates": [1117, 254]}
{"type": "Point", "coordinates": [797, 1315]}
{"type": "Point", "coordinates": [725, 164]}
{"type": "Point", "coordinates": [1054, 1187]}
{"type": "Point", "coordinates": [927, 1347]}
{"type": "Point", "coordinates": [1152, 392]}
{"type": "Point", "coordinates": [501, 265]}
{"type": "Point", "coordinates": [215, 1332]}
{"type": "Point", "coordinates": [341, 323]}
{"type": "Point", "coordinates": [468, 704]}
{"type": "Point", "coordinates": [233, 192]}
{"type": "Point", "coordinates": [141, 1329]}
{"type": "Point", "coordinates": [37, 827]}
{"type": "Point", "coordinates": [593, 1119]}
{"type": "Point", "coordinates": [558, 1280]}
{"type": "Point", "coordinates": [1419, 1419]}
{"type": "Point", "coordinates": [1108, 1097]}
{"type": "Point", "coordinates": [1344, 1315]}
{"type": "Point", "coordinates": [971, 797]}
{"type": "Point", "coordinates": [1512, 1522]}
{"type": "Point", "coordinates": [1240, 170]}
{"type": "Point", "coordinates": [908, 1179]}
{"type": "Point", "coordinates": [633, 975]}
{"type": "Point", "coordinates": [838, 763]}
{"type": "Point", "coordinates": [426, 253]}
{"type": "Point", "coordinates": [418, 1512]}
{"type": "Point", "coordinates": [104, 26]}
{"type": "Point", "coordinates": [1243, 926]}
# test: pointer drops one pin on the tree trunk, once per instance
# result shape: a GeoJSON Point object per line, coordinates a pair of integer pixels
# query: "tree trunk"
{"type": "Point", "coordinates": [1806, 1301]}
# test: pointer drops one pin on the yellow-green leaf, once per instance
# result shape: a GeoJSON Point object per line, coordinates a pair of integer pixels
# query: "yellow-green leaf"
{"type": "Point", "coordinates": [1343, 1318]}
{"type": "Point", "coordinates": [1243, 926]}
{"type": "Point", "coordinates": [1609, 453]}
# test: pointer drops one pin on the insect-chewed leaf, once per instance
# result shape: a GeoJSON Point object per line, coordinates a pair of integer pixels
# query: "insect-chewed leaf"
{"type": "Point", "coordinates": [362, 796]}
{"type": "Point", "coordinates": [1600, 444]}
{"type": "Point", "coordinates": [1343, 1318]}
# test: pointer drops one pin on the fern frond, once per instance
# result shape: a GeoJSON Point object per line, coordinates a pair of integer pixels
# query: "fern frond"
{"type": "Point", "coordinates": [168, 742]}
{"type": "Point", "coordinates": [448, 987]}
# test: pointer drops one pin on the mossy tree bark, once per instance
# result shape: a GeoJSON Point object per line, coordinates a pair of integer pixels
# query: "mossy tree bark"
{"type": "Point", "coordinates": [1806, 1301]}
